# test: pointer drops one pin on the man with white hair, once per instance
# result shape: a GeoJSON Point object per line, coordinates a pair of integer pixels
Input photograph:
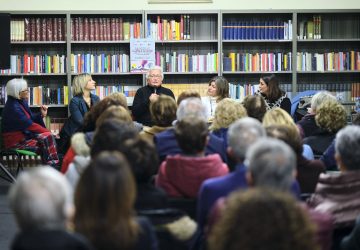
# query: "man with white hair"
{"type": "Point", "coordinates": [42, 202]}
{"type": "Point", "coordinates": [166, 143]}
{"type": "Point", "coordinates": [148, 94]}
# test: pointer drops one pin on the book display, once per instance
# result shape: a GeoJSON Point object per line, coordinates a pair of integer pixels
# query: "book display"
{"type": "Point", "coordinates": [306, 49]}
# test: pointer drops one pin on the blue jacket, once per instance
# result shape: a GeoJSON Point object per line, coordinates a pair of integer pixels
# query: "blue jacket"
{"type": "Point", "coordinates": [166, 144]}
{"type": "Point", "coordinates": [78, 109]}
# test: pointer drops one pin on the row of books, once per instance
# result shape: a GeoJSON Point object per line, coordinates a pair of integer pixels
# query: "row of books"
{"type": "Point", "coordinates": [128, 90]}
{"type": "Point", "coordinates": [41, 95]}
{"type": "Point", "coordinates": [36, 64]}
{"type": "Point", "coordinates": [238, 91]}
{"type": "Point", "coordinates": [165, 29]}
{"type": "Point", "coordinates": [257, 62]}
{"type": "Point", "coordinates": [173, 62]}
{"type": "Point", "coordinates": [257, 30]}
{"type": "Point", "coordinates": [332, 61]}
{"type": "Point", "coordinates": [54, 124]}
{"type": "Point", "coordinates": [310, 29]}
{"type": "Point", "coordinates": [99, 63]}
{"type": "Point", "coordinates": [38, 29]}
{"type": "Point", "coordinates": [178, 88]}
{"type": "Point", "coordinates": [104, 29]}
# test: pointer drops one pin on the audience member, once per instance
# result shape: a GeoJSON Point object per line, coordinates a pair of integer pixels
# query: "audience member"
{"type": "Point", "coordinates": [218, 90]}
{"type": "Point", "coordinates": [187, 94]}
{"type": "Point", "coordinates": [255, 106]}
{"type": "Point", "coordinates": [227, 112]}
{"type": "Point", "coordinates": [42, 203]}
{"type": "Point", "coordinates": [182, 175]}
{"type": "Point", "coordinates": [274, 97]}
{"type": "Point", "coordinates": [307, 124]}
{"type": "Point", "coordinates": [330, 117]}
{"type": "Point", "coordinates": [21, 129]}
{"type": "Point", "coordinates": [80, 104]}
{"type": "Point", "coordinates": [148, 94]}
{"type": "Point", "coordinates": [166, 143]}
{"type": "Point", "coordinates": [163, 113]}
{"type": "Point", "coordinates": [263, 219]}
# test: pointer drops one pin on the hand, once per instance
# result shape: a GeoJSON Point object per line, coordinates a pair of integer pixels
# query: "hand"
{"type": "Point", "coordinates": [153, 97]}
{"type": "Point", "coordinates": [43, 110]}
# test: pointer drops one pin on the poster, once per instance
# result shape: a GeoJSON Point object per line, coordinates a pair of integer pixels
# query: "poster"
{"type": "Point", "coordinates": [142, 54]}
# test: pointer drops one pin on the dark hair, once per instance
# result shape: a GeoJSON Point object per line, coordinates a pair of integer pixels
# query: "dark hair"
{"type": "Point", "coordinates": [163, 111]}
{"type": "Point", "coordinates": [288, 135]}
{"type": "Point", "coordinates": [284, 224]}
{"type": "Point", "coordinates": [186, 94]}
{"type": "Point", "coordinates": [255, 106]}
{"type": "Point", "coordinates": [111, 135]}
{"type": "Point", "coordinates": [274, 92]}
{"type": "Point", "coordinates": [222, 87]}
{"type": "Point", "coordinates": [356, 119]}
{"type": "Point", "coordinates": [142, 157]}
{"type": "Point", "coordinates": [104, 200]}
{"type": "Point", "coordinates": [191, 133]}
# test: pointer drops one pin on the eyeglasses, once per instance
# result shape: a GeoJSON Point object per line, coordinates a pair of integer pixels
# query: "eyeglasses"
{"type": "Point", "coordinates": [25, 90]}
{"type": "Point", "coordinates": [155, 76]}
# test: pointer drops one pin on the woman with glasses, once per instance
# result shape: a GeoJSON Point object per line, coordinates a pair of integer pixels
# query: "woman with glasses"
{"type": "Point", "coordinates": [149, 94]}
{"type": "Point", "coordinates": [21, 129]}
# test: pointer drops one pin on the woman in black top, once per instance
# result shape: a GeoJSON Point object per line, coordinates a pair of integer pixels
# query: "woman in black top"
{"type": "Point", "coordinates": [274, 97]}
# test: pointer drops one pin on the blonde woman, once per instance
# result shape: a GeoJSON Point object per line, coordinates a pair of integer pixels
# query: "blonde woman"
{"type": "Point", "coordinates": [80, 104]}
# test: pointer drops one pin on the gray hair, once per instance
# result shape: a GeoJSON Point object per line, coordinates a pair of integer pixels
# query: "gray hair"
{"type": "Point", "coordinates": [347, 145]}
{"type": "Point", "coordinates": [191, 107]}
{"type": "Point", "coordinates": [155, 68]}
{"type": "Point", "coordinates": [271, 164]}
{"type": "Point", "coordinates": [41, 198]}
{"type": "Point", "coordinates": [242, 133]}
{"type": "Point", "coordinates": [79, 83]}
{"type": "Point", "coordinates": [321, 97]}
{"type": "Point", "coordinates": [15, 86]}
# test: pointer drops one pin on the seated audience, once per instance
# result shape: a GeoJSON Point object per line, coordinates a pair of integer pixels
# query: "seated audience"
{"type": "Point", "coordinates": [263, 219]}
{"type": "Point", "coordinates": [42, 203]}
{"type": "Point", "coordinates": [308, 171]}
{"type": "Point", "coordinates": [21, 129]}
{"type": "Point", "coordinates": [166, 143]}
{"type": "Point", "coordinates": [163, 113]}
{"type": "Point", "coordinates": [182, 175]}
{"type": "Point", "coordinates": [330, 117]}
{"type": "Point", "coordinates": [227, 112]}
{"type": "Point", "coordinates": [255, 106]}
{"type": "Point", "coordinates": [187, 94]}
{"type": "Point", "coordinates": [307, 124]}
{"type": "Point", "coordinates": [104, 200]}
{"type": "Point", "coordinates": [338, 192]}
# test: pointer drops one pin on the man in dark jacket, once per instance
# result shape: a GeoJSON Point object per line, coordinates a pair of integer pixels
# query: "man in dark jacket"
{"type": "Point", "coordinates": [148, 94]}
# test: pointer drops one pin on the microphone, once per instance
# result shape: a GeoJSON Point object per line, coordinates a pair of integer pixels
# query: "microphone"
{"type": "Point", "coordinates": [155, 89]}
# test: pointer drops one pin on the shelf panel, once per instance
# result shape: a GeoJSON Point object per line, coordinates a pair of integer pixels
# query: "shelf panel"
{"type": "Point", "coordinates": [100, 42]}
{"type": "Point", "coordinates": [257, 41]}
{"type": "Point", "coordinates": [190, 73]}
{"type": "Point", "coordinates": [38, 42]}
{"type": "Point", "coordinates": [329, 72]}
{"type": "Point", "coordinates": [109, 73]}
{"type": "Point", "coordinates": [187, 41]}
{"type": "Point", "coordinates": [257, 72]}
{"type": "Point", "coordinates": [30, 74]}
{"type": "Point", "coordinates": [327, 40]}
{"type": "Point", "coordinates": [48, 105]}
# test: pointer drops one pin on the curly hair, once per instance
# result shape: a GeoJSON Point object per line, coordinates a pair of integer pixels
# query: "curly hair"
{"type": "Point", "coordinates": [282, 222]}
{"type": "Point", "coordinates": [278, 116]}
{"type": "Point", "coordinates": [163, 111]}
{"type": "Point", "coordinates": [227, 111]}
{"type": "Point", "coordinates": [331, 116]}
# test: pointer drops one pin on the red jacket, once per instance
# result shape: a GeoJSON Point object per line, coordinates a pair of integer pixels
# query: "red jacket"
{"type": "Point", "coordinates": [182, 176]}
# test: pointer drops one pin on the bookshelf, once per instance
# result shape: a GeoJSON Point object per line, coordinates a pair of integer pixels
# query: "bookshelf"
{"type": "Point", "coordinates": [192, 46]}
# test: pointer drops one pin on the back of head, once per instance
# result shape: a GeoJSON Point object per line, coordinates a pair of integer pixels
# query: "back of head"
{"type": "Point", "coordinates": [115, 112]}
{"type": "Point", "coordinates": [120, 98]}
{"type": "Point", "coordinates": [41, 199]}
{"type": "Point", "coordinates": [287, 134]}
{"type": "Point", "coordinates": [142, 157]}
{"type": "Point", "coordinates": [104, 200]}
{"type": "Point", "coordinates": [319, 98]}
{"type": "Point", "coordinates": [271, 164]}
{"type": "Point", "coordinates": [278, 116]}
{"type": "Point", "coordinates": [331, 116]}
{"type": "Point", "coordinates": [186, 94]}
{"type": "Point", "coordinates": [255, 106]}
{"type": "Point", "coordinates": [191, 134]}
{"type": "Point", "coordinates": [14, 86]}
{"type": "Point", "coordinates": [347, 146]}
{"type": "Point", "coordinates": [79, 83]}
{"type": "Point", "coordinates": [191, 107]}
{"type": "Point", "coordinates": [283, 224]}
{"type": "Point", "coordinates": [227, 111]}
{"type": "Point", "coordinates": [163, 111]}
{"type": "Point", "coordinates": [111, 135]}
{"type": "Point", "coordinates": [242, 134]}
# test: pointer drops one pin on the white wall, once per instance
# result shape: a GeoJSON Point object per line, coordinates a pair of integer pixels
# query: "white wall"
{"type": "Point", "coordinates": [98, 5]}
